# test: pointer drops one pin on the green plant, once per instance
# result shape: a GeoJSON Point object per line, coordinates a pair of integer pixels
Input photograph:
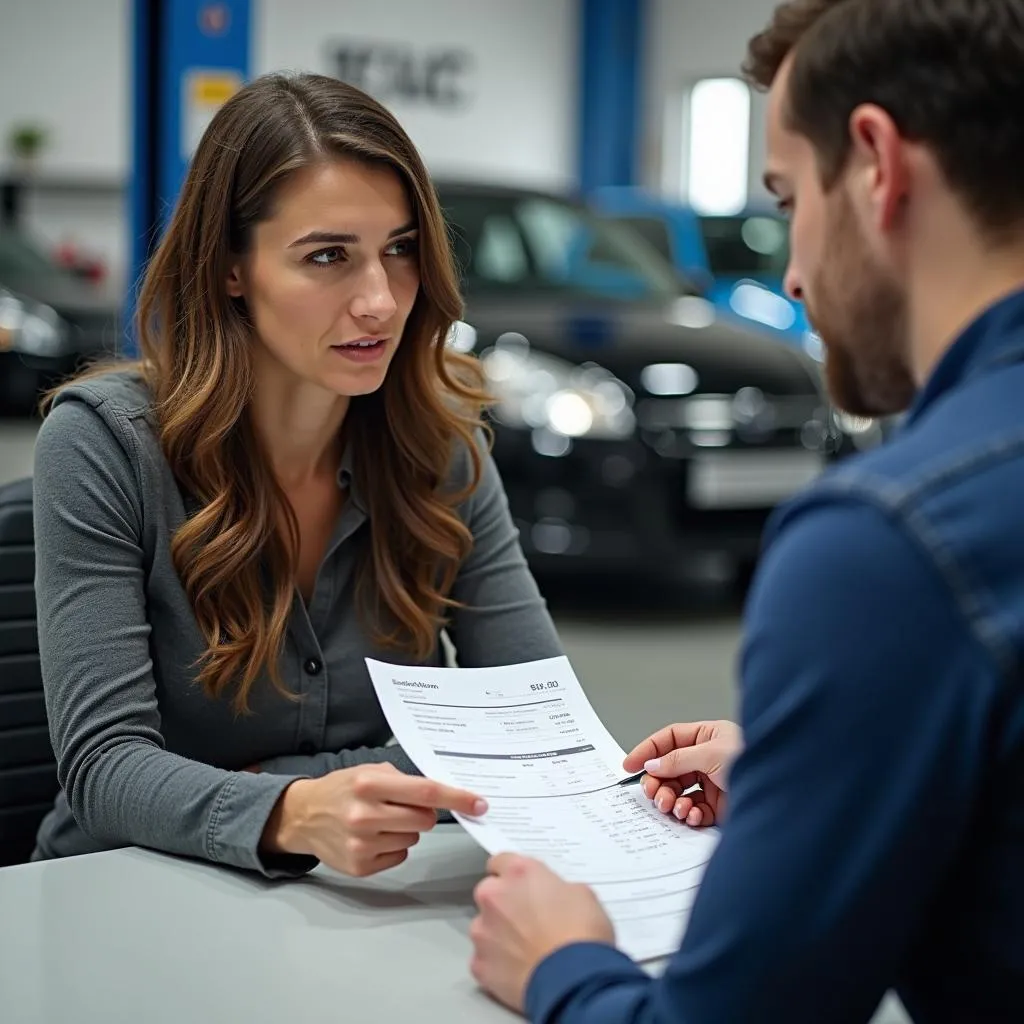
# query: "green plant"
{"type": "Point", "coordinates": [27, 140]}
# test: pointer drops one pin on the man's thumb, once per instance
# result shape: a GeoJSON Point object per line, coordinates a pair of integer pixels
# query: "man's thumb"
{"type": "Point", "coordinates": [703, 758]}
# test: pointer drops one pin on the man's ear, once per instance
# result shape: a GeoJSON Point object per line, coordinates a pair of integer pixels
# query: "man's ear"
{"type": "Point", "coordinates": [877, 141]}
{"type": "Point", "coordinates": [234, 284]}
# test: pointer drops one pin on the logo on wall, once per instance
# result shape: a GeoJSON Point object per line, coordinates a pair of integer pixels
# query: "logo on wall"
{"type": "Point", "coordinates": [214, 19]}
{"type": "Point", "coordinates": [390, 72]}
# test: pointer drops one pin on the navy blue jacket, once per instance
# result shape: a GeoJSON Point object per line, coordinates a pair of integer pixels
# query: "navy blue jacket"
{"type": "Point", "coordinates": [876, 829]}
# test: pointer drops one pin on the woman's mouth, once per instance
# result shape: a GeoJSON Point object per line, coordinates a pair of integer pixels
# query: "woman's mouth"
{"type": "Point", "coordinates": [362, 350]}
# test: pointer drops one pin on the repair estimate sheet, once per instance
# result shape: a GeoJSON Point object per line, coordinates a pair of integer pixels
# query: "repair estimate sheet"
{"type": "Point", "coordinates": [526, 738]}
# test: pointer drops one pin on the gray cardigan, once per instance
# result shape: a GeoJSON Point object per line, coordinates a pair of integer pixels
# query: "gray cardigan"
{"type": "Point", "coordinates": [144, 756]}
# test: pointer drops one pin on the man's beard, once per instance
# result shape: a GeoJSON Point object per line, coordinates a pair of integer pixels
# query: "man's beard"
{"type": "Point", "coordinates": [861, 315]}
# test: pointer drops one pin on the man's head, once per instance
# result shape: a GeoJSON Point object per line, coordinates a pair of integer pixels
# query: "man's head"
{"type": "Point", "coordinates": [892, 124]}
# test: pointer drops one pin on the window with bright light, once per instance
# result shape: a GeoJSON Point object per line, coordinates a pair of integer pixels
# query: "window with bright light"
{"type": "Point", "coordinates": [716, 154]}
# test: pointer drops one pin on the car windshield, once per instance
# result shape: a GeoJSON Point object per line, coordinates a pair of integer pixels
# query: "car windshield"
{"type": "Point", "coordinates": [746, 246]}
{"type": "Point", "coordinates": [525, 243]}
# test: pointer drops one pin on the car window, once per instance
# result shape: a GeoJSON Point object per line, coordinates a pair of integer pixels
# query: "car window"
{"type": "Point", "coordinates": [554, 234]}
{"type": "Point", "coordinates": [533, 242]}
{"type": "Point", "coordinates": [654, 231]}
{"type": "Point", "coordinates": [746, 246]}
{"type": "Point", "coordinates": [500, 253]}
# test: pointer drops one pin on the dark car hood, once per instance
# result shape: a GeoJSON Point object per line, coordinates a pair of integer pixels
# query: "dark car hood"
{"type": "Point", "coordinates": [93, 316]}
{"type": "Point", "coordinates": [626, 337]}
{"type": "Point", "coordinates": [71, 298]}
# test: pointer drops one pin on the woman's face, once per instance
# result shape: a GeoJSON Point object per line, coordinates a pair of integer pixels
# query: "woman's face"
{"type": "Point", "coordinates": [331, 277]}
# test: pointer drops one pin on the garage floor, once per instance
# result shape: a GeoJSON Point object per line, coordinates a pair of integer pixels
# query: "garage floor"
{"type": "Point", "coordinates": [645, 659]}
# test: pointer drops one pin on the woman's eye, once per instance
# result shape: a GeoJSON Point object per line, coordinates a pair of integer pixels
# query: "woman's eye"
{"type": "Point", "coordinates": [326, 257]}
{"type": "Point", "coordinates": [403, 247]}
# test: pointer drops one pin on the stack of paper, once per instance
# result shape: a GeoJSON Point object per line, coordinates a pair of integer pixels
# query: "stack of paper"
{"type": "Point", "coordinates": [526, 738]}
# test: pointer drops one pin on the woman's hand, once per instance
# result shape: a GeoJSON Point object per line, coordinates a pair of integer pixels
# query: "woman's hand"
{"type": "Point", "coordinates": [680, 757]}
{"type": "Point", "coordinates": [361, 820]}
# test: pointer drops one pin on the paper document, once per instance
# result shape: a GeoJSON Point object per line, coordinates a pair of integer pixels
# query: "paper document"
{"type": "Point", "coordinates": [526, 738]}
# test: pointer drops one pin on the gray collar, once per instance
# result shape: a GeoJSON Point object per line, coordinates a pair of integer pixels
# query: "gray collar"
{"type": "Point", "coordinates": [347, 479]}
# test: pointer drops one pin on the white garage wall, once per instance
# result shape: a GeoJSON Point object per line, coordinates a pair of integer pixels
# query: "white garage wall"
{"type": "Point", "coordinates": [66, 64]}
{"type": "Point", "coordinates": [688, 40]}
{"type": "Point", "coordinates": [519, 123]}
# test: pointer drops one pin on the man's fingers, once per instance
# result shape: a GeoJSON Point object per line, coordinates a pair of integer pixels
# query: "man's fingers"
{"type": "Point", "coordinates": [652, 786]}
{"type": "Point", "coordinates": [638, 755]}
{"type": "Point", "coordinates": [682, 734]}
{"type": "Point", "coordinates": [705, 759]}
{"type": "Point", "coordinates": [682, 808]}
{"type": "Point", "coordinates": [666, 796]}
{"type": "Point", "coordinates": [701, 816]}
{"type": "Point", "coordinates": [509, 864]}
{"type": "Point", "coordinates": [694, 811]}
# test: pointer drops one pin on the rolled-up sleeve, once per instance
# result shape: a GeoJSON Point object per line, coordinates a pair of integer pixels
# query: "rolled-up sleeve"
{"type": "Point", "coordinates": [123, 785]}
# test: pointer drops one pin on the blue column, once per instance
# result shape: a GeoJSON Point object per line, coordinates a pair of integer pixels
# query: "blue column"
{"type": "Point", "coordinates": [142, 181]}
{"type": "Point", "coordinates": [189, 56]}
{"type": "Point", "coordinates": [611, 88]}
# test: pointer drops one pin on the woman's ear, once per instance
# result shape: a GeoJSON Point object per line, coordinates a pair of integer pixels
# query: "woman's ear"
{"type": "Point", "coordinates": [235, 287]}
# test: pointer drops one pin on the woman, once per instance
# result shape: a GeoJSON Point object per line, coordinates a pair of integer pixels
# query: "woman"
{"type": "Point", "coordinates": [292, 479]}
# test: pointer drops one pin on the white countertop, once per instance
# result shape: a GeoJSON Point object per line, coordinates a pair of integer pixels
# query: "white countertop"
{"type": "Point", "coordinates": [141, 938]}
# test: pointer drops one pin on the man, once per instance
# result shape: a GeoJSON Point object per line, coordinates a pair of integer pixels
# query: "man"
{"type": "Point", "coordinates": [875, 830]}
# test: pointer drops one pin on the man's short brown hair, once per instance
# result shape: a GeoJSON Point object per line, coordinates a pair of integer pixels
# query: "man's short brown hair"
{"type": "Point", "coordinates": [950, 73]}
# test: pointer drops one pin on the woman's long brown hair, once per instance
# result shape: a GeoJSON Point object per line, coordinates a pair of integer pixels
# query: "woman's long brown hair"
{"type": "Point", "coordinates": [235, 560]}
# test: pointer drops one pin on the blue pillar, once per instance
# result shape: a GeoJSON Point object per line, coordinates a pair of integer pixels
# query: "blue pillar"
{"type": "Point", "coordinates": [189, 56]}
{"type": "Point", "coordinates": [611, 89]}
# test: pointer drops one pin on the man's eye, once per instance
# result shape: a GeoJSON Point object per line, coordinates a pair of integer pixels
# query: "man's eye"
{"type": "Point", "coordinates": [326, 257]}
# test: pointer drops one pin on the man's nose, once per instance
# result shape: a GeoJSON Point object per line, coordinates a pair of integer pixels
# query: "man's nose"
{"type": "Point", "coordinates": [791, 283]}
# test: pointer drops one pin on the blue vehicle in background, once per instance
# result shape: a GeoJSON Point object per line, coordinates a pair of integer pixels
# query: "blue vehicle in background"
{"type": "Point", "coordinates": [737, 262]}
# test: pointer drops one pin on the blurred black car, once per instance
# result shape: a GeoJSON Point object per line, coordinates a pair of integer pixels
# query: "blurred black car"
{"type": "Point", "coordinates": [635, 430]}
{"type": "Point", "coordinates": [51, 321]}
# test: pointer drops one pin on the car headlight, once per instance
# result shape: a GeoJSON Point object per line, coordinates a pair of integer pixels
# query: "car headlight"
{"type": "Point", "coordinates": [31, 328]}
{"type": "Point", "coordinates": [813, 346]}
{"type": "Point", "coordinates": [865, 433]}
{"type": "Point", "coordinates": [534, 390]}
{"type": "Point", "coordinates": [853, 425]}
{"type": "Point", "coordinates": [756, 302]}
{"type": "Point", "coordinates": [461, 337]}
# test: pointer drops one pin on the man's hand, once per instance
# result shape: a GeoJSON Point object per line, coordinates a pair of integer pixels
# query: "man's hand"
{"type": "Point", "coordinates": [680, 757]}
{"type": "Point", "coordinates": [526, 913]}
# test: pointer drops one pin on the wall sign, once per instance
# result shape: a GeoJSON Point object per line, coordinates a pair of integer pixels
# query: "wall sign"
{"type": "Point", "coordinates": [205, 91]}
{"type": "Point", "coordinates": [392, 72]}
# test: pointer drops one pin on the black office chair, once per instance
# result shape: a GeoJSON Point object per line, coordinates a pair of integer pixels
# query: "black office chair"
{"type": "Point", "coordinates": [28, 773]}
